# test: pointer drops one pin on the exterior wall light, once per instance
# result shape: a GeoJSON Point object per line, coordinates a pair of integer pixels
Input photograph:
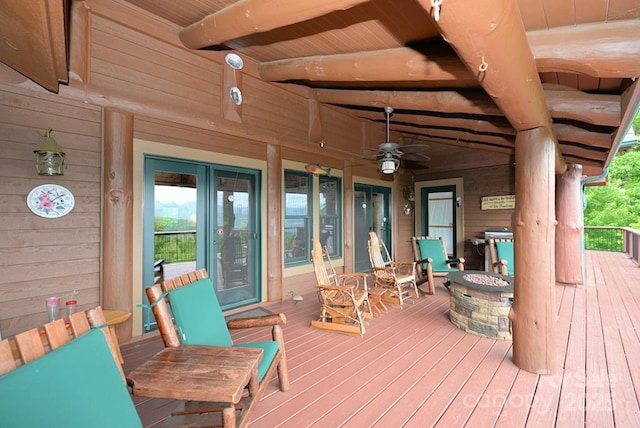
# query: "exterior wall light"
{"type": "Point", "coordinates": [49, 156]}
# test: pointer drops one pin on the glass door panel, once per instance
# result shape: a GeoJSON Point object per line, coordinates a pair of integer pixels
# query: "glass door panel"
{"type": "Point", "coordinates": [235, 240]}
{"type": "Point", "coordinates": [439, 206]}
{"type": "Point", "coordinates": [174, 233]}
{"type": "Point", "coordinates": [371, 213]}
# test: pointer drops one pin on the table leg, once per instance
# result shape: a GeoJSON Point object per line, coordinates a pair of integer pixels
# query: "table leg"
{"type": "Point", "coordinates": [229, 416]}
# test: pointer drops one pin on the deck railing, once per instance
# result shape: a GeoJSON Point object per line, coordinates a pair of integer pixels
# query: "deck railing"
{"type": "Point", "coordinates": [603, 238]}
{"type": "Point", "coordinates": [632, 243]}
{"type": "Point", "coordinates": [618, 239]}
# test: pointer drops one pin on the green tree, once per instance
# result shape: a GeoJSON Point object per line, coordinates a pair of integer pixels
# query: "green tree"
{"type": "Point", "coordinates": [617, 203]}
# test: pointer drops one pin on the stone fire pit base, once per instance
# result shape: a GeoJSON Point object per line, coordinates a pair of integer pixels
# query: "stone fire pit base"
{"type": "Point", "coordinates": [480, 303]}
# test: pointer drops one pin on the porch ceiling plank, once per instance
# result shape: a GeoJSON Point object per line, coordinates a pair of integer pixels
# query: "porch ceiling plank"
{"type": "Point", "coordinates": [247, 17]}
{"type": "Point", "coordinates": [490, 38]}
{"type": "Point", "coordinates": [386, 65]}
{"type": "Point", "coordinates": [605, 49]}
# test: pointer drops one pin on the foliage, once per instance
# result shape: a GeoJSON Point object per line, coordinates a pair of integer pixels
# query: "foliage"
{"type": "Point", "coordinates": [178, 246]}
{"type": "Point", "coordinates": [618, 203]}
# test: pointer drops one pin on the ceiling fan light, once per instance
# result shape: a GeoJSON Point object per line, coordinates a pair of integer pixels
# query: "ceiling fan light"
{"type": "Point", "coordinates": [388, 166]}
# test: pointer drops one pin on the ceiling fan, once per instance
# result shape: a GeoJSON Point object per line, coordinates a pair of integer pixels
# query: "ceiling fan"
{"type": "Point", "coordinates": [389, 154]}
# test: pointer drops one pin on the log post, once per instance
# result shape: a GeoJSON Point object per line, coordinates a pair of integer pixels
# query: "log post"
{"type": "Point", "coordinates": [117, 223]}
{"type": "Point", "coordinates": [570, 226]}
{"type": "Point", "coordinates": [274, 223]}
{"type": "Point", "coordinates": [533, 314]}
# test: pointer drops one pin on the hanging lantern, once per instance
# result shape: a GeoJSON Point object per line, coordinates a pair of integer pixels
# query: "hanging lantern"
{"type": "Point", "coordinates": [49, 156]}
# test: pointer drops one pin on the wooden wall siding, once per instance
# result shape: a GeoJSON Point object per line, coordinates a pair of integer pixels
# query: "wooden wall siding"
{"type": "Point", "coordinates": [271, 107]}
{"type": "Point", "coordinates": [129, 63]}
{"type": "Point", "coordinates": [47, 257]}
{"type": "Point", "coordinates": [479, 182]}
{"type": "Point", "coordinates": [161, 131]}
{"type": "Point", "coordinates": [339, 132]}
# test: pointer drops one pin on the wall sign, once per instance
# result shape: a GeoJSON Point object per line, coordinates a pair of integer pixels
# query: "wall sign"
{"type": "Point", "coordinates": [503, 202]}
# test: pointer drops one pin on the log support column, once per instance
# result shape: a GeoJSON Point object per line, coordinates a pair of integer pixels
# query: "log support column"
{"type": "Point", "coordinates": [533, 314]}
{"type": "Point", "coordinates": [274, 223]}
{"type": "Point", "coordinates": [117, 221]}
{"type": "Point", "coordinates": [570, 225]}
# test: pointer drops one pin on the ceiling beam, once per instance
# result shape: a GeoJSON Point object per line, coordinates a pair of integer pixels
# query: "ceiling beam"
{"type": "Point", "coordinates": [608, 49]}
{"type": "Point", "coordinates": [596, 109]}
{"type": "Point", "coordinates": [397, 64]}
{"type": "Point", "coordinates": [246, 17]}
{"type": "Point", "coordinates": [440, 101]}
{"type": "Point", "coordinates": [500, 126]}
{"type": "Point", "coordinates": [494, 45]}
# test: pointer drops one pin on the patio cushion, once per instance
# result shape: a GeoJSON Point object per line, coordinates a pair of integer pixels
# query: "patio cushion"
{"type": "Point", "coordinates": [505, 252]}
{"type": "Point", "coordinates": [433, 248]}
{"type": "Point", "coordinates": [198, 315]}
{"type": "Point", "coordinates": [200, 321]}
{"type": "Point", "coordinates": [76, 385]}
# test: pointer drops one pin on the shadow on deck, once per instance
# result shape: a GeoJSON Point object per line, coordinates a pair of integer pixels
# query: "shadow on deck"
{"type": "Point", "coordinates": [414, 368]}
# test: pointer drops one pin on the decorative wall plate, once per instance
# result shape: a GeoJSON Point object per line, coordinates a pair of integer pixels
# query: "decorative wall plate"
{"type": "Point", "coordinates": [50, 201]}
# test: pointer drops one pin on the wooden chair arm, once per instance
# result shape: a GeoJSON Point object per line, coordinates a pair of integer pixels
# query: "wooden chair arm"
{"type": "Point", "coordinates": [427, 260]}
{"type": "Point", "coordinates": [348, 287]}
{"type": "Point", "coordinates": [263, 321]}
{"type": "Point", "coordinates": [401, 264]}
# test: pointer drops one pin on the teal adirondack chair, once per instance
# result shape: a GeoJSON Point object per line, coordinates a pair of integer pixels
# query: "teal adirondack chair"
{"type": "Point", "coordinates": [502, 256]}
{"type": "Point", "coordinates": [432, 259]}
{"type": "Point", "coordinates": [192, 316]}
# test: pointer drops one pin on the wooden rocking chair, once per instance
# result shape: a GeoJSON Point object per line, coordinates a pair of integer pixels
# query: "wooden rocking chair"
{"type": "Point", "coordinates": [199, 319]}
{"type": "Point", "coordinates": [432, 258]}
{"type": "Point", "coordinates": [501, 251]}
{"type": "Point", "coordinates": [343, 301]}
{"type": "Point", "coordinates": [399, 279]}
{"type": "Point", "coordinates": [70, 377]}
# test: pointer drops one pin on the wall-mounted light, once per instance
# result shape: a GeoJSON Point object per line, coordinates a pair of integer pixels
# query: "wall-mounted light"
{"type": "Point", "coordinates": [236, 63]}
{"type": "Point", "coordinates": [49, 156]}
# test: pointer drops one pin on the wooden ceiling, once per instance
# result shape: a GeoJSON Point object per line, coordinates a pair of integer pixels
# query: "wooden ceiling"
{"type": "Point", "coordinates": [463, 73]}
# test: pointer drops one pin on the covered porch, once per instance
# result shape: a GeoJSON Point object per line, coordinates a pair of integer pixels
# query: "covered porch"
{"type": "Point", "coordinates": [414, 368]}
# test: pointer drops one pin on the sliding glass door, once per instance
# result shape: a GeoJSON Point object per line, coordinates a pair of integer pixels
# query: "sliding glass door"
{"type": "Point", "coordinates": [199, 215]}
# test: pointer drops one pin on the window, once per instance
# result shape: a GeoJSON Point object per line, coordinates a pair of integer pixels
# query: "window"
{"type": "Point", "coordinates": [330, 214]}
{"type": "Point", "coordinates": [297, 217]}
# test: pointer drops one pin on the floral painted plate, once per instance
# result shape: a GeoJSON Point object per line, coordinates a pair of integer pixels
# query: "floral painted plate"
{"type": "Point", "coordinates": [50, 200]}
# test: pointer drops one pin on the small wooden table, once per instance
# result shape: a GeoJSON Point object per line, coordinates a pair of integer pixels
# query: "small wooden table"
{"type": "Point", "coordinates": [200, 373]}
{"type": "Point", "coordinates": [375, 300]}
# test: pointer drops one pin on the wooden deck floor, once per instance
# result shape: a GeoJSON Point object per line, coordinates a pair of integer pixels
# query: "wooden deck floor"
{"type": "Point", "coordinates": [413, 368]}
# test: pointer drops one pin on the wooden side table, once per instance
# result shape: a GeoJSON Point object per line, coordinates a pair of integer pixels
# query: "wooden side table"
{"type": "Point", "coordinates": [375, 300]}
{"type": "Point", "coordinates": [215, 374]}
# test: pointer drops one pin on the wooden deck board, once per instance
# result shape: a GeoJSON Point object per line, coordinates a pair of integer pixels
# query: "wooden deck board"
{"type": "Point", "coordinates": [414, 368]}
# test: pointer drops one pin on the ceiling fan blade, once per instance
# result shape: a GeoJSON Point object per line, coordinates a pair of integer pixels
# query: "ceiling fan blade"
{"type": "Point", "coordinates": [419, 157]}
{"type": "Point", "coordinates": [413, 148]}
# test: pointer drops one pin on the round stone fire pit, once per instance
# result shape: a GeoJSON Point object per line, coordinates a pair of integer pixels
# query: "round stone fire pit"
{"type": "Point", "coordinates": [480, 303]}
